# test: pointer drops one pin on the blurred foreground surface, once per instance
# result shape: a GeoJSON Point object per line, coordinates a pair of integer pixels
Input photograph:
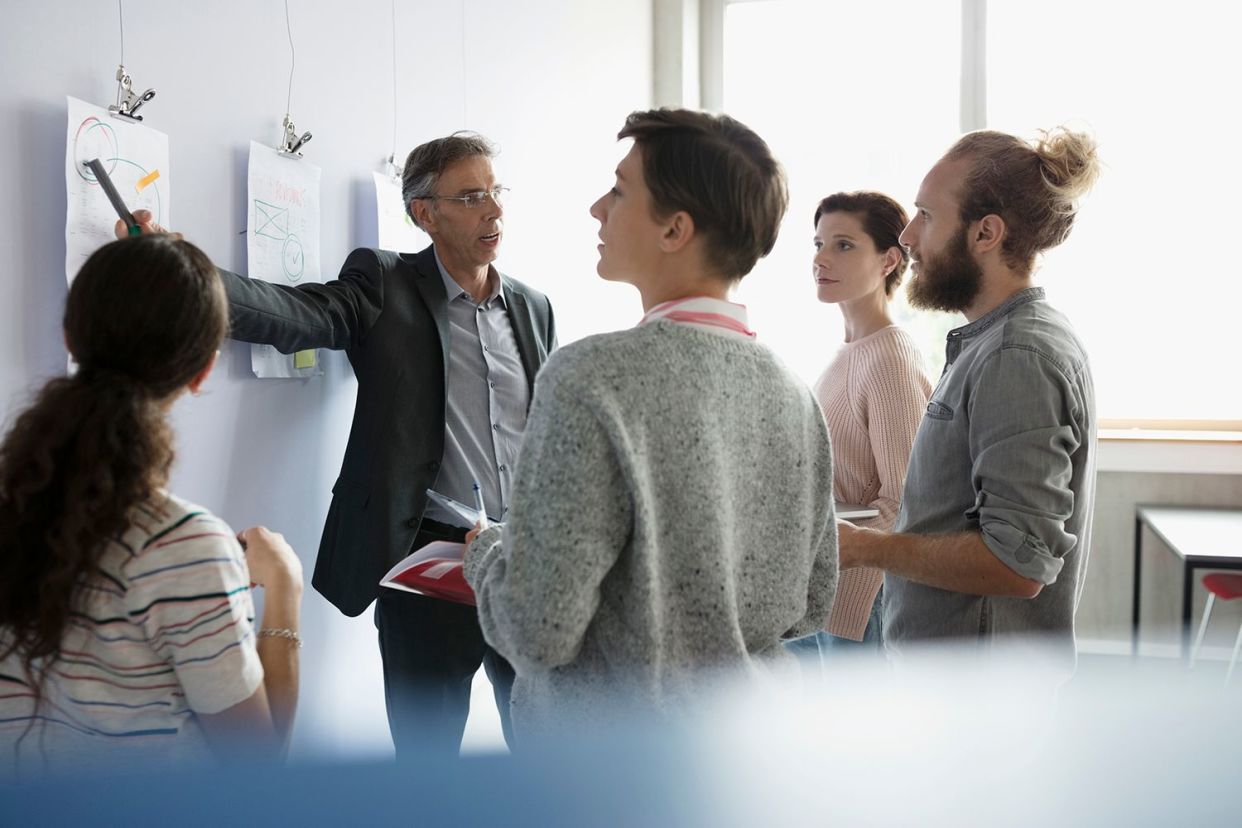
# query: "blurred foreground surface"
{"type": "Point", "coordinates": [944, 740]}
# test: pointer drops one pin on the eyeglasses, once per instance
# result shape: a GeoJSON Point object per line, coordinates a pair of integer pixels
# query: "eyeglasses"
{"type": "Point", "coordinates": [474, 200]}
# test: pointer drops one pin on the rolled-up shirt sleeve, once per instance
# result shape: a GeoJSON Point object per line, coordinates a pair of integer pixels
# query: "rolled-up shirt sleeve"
{"type": "Point", "coordinates": [1025, 426]}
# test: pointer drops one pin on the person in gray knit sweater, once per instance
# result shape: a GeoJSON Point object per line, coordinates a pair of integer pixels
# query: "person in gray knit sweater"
{"type": "Point", "coordinates": [672, 516]}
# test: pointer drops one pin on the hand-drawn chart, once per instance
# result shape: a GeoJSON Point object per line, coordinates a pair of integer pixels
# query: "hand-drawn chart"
{"type": "Point", "coordinates": [272, 222]}
{"type": "Point", "coordinates": [135, 158]}
{"type": "Point", "coordinates": [396, 231]}
{"type": "Point", "coordinates": [282, 242]}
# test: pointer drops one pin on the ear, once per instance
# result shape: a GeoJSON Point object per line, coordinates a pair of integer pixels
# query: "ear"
{"type": "Point", "coordinates": [989, 233]}
{"type": "Point", "coordinates": [421, 209]}
{"type": "Point", "coordinates": [892, 258]}
{"type": "Point", "coordinates": [677, 233]}
{"type": "Point", "coordinates": [201, 377]}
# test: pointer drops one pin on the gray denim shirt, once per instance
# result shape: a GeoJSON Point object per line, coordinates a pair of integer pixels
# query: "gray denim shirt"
{"type": "Point", "coordinates": [1007, 448]}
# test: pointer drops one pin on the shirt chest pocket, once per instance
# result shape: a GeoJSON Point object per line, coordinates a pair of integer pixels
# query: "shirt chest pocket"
{"type": "Point", "coordinates": [938, 410]}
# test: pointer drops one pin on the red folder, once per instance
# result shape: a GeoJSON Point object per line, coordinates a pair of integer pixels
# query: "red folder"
{"type": "Point", "coordinates": [435, 571]}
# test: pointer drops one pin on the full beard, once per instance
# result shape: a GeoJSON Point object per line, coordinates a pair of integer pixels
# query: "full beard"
{"type": "Point", "coordinates": [949, 281]}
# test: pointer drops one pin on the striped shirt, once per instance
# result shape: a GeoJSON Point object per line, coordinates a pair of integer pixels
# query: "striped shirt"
{"type": "Point", "coordinates": [164, 630]}
{"type": "Point", "coordinates": [727, 319]}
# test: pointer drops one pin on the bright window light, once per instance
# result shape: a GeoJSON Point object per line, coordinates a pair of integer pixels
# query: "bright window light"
{"type": "Point", "coordinates": [849, 96]}
{"type": "Point", "coordinates": [866, 96]}
{"type": "Point", "coordinates": [1149, 277]}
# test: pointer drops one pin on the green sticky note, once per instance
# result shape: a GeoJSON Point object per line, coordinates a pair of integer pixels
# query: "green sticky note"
{"type": "Point", "coordinates": [304, 359]}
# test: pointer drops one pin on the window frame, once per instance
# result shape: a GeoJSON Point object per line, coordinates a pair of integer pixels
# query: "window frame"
{"type": "Point", "coordinates": [972, 115]}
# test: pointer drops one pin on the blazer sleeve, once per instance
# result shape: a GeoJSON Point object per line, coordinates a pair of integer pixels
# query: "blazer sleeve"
{"type": "Point", "coordinates": [551, 333]}
{"type": "Point", "coordinates": [336, 314]}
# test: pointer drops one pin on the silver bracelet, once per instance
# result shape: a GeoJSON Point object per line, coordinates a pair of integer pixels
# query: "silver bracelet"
{"type": "Point", "coordinates": [292, 635]}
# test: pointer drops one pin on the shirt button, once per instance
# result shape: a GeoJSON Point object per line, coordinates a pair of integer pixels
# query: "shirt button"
{"type": "Point", "coordinates": [495, 426]}
{"type": "Point", "coordinates": [491, 384]}
{"type": "Point", "coordinates": [485, 347]}
{"type": "Point", "coordinates": [504, 467]}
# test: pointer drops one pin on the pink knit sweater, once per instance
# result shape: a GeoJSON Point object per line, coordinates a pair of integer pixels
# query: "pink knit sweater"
{"type": "Point", "coordinates": [873, 395]}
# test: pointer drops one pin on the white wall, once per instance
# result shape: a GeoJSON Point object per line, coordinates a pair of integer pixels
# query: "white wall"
{"type": "Point", "coordinates": [549, 80]}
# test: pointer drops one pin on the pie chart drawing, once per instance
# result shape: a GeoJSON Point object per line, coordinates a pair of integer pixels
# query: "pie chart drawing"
{"type": "Point", "coordinates": [137, 185]}
{"type": "Point", "coordinates": [293, 258]}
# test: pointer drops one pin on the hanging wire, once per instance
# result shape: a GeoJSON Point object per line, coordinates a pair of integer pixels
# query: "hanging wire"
{"type": "Point", "coordinates": [465, 122]}
{"type": "Point", "coordinates": [293, 58]}
{"type": "Point", "coordinates": [120, 11]}
{"type": "Point", "coordinates": [393, 157]}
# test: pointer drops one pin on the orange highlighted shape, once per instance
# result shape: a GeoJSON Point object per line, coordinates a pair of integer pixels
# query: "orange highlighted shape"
{"type": "Point", "coordinates": [146, 181]}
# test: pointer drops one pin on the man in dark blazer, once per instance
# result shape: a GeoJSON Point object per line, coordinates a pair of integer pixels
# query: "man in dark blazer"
{"type": "Point", "coordinates": [445, 349]}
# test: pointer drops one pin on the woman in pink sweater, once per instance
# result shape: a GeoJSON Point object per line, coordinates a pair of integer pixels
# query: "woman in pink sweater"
{"type": "Point", "coordinates": [874, 391]}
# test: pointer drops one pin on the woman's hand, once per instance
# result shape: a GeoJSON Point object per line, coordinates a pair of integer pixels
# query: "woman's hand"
{"type": "Point", "coordinates": [272, 562]}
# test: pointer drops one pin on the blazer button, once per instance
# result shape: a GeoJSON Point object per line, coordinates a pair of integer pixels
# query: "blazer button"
{"type": "Point", "coordinates": [434, 465]}
{"type": "Point", "coordinates": [412, 523]}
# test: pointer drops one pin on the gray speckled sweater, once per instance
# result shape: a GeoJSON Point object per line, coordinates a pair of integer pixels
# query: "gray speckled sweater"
{"type": "Point", "coordinates": [671, 520]}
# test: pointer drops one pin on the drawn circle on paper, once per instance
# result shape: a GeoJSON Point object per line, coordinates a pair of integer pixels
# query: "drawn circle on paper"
{"type": "Point", "coordinates": [293, 258]}
{"type": "Point", "coordinates": [126, 176]}
{"type": "Point", "coordinates": [94, 139]}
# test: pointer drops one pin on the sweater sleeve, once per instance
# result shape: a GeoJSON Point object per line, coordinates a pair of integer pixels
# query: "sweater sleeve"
{"type": "Point", "coordinates": [537, 583]}
{"type": "Point", "coordinates": [895, 391]}
{"type": "Point", "coordinates": [822, 586]}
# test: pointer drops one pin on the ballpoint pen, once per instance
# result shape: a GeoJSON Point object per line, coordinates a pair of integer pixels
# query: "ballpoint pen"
{"type": "Point", "coordinates": [478, 502]}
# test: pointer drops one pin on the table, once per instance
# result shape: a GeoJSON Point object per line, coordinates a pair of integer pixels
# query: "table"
{"type": "Point", "coordinates": [1203, 538]}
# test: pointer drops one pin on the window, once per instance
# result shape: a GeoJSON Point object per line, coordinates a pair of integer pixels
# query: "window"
{"type": "Point", "coordinates": [1150, 276]}
{"type": "Point", "coordinates": [854, 96]}
{"type": "Point", "coordinates": [834, 90]}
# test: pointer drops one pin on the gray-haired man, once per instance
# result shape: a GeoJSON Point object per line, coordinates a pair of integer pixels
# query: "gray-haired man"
{"type": "Point", "coordinates": [445, 349]}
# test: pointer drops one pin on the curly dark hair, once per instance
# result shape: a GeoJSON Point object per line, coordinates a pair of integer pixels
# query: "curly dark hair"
{"type": "Point", "coordinates": [143, 318]}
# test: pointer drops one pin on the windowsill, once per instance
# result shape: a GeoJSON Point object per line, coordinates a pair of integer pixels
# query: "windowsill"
{"type": "Point", "coordinates": [1152, 435]}
{"type": "Point", "coordinates": [1160, 451]}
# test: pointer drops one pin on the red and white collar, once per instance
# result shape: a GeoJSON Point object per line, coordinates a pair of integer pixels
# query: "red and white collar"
{"type": "Point", "coordinates": [715, 315]}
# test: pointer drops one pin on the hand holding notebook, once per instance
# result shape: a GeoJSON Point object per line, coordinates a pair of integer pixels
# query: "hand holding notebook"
{"type": "Point", "coordinates": [435, 571]}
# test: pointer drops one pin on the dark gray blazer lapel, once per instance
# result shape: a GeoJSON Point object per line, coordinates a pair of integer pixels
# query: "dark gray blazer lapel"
{"type": "Point", "coordinates": [524, 332]}
{"type": "Point", "coordinates": [431, 286]}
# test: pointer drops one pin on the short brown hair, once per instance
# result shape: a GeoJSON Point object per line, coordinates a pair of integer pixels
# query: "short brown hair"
{"type": "Point", "coordinates": [721, 173]}
{"type": "Point", "coordinates": [427, 162]}
{"type": "Point", "coordinates": [1034, 188]}
{"type": "Point", "coordinates": [882, 219]}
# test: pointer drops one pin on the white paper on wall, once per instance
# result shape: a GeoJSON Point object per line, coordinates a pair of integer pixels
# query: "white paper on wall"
{"type": "Point", "coordinates": [136, 159]}
{"type": "Point", "coordinates": [282, 242]}
{"type": "Point", "coordinates": [396, 231]}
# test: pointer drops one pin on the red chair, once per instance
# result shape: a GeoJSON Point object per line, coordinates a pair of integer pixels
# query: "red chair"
{"type": "Point", "coordinates": [1226, 586]}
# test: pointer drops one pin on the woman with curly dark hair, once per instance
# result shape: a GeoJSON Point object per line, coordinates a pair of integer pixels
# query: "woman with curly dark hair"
{"type": "Point", "coordinates": [126, 619]}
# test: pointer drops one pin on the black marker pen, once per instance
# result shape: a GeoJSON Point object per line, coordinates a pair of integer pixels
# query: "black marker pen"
{"type": "Point", "coordinates": [117, 204]}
